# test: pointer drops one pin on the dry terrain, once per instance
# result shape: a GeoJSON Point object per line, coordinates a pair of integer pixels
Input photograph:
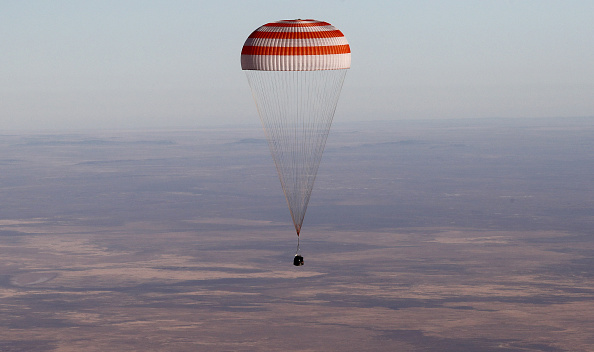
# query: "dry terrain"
{"type": "Point", "coordinates": [445, 236]}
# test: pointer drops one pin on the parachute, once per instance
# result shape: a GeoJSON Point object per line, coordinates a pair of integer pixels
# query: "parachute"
{"type": "Point", "coordinates": [295, 69]}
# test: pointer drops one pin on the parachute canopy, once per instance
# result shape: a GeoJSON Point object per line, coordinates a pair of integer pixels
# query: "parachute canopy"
{"type": "Point", "coordinates": [296, 45]}
{"type": "Point", "coordinates": [295, 69]}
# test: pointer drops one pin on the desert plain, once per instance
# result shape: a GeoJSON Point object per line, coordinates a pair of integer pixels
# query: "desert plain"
{"type": "Point", "coordinates": [452, 235]}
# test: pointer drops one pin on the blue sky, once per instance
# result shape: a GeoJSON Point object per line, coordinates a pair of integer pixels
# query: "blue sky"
{"type": "Point", "coordinates": [170, 64]}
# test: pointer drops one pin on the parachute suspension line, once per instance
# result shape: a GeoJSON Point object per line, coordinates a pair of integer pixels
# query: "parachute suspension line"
{"type": "Point", "coordinates": [297, 251]}
{"type": "Point", "coordinates": [296, 109]}
{"type": "Point", "coordinates": [323, 98]}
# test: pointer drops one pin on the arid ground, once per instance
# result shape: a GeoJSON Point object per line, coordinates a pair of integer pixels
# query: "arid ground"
{"type": "Point", "coordinates": [450, 236]}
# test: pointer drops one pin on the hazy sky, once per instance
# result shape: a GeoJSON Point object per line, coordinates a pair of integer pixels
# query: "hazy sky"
{"type": "Point", "coordinates": [170, 63]}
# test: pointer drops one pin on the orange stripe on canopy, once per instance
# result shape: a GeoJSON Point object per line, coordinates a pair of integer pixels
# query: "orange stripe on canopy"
{"type": "Point", "coordinates": [297, 35]}
{"type": "Point", "coordinates": [297, 23]}
{"type": "Point", "coordinates": [296, 50]}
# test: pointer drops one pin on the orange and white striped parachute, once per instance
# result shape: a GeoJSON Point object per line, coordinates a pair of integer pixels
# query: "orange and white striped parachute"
{"type": "Point", "coordinates": [296, 45]}
{"type": "Point", "coordinates": [296, 69]}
